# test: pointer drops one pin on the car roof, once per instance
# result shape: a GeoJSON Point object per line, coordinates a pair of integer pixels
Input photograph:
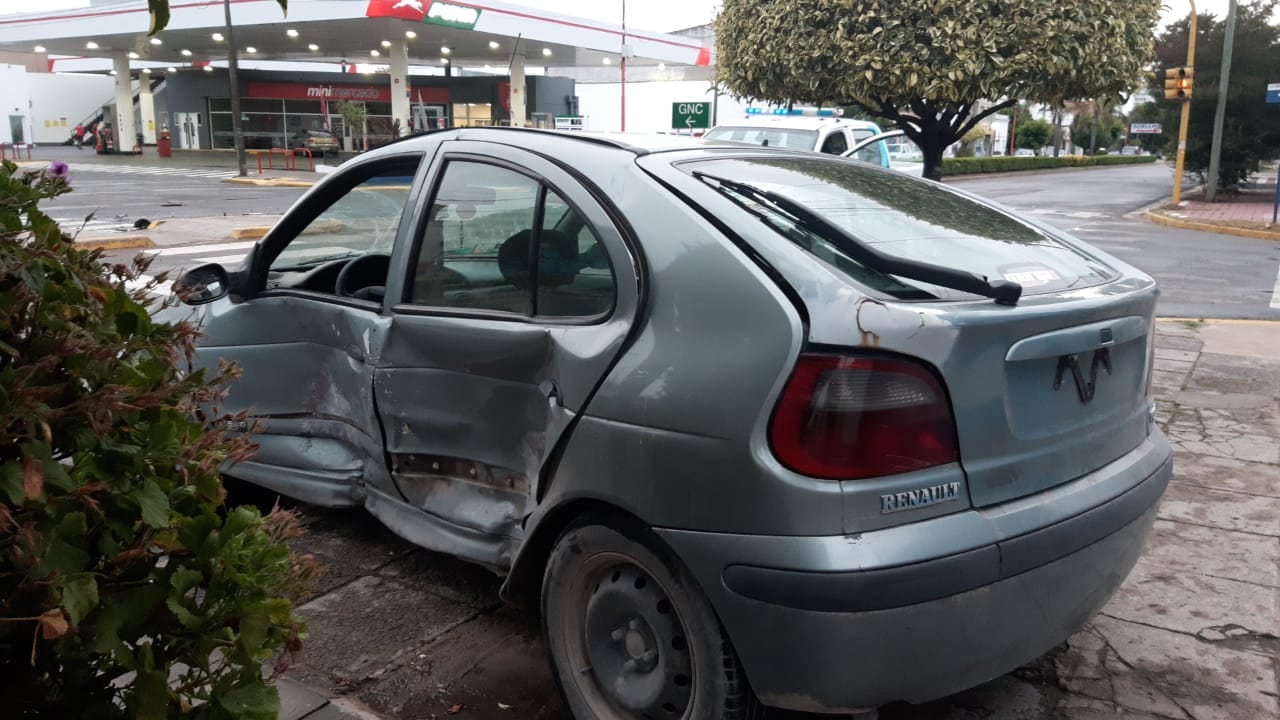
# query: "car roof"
{"type": "Point", "coordinates": [637, 143]}
{"type": "Point", "coordinates": [797, 122]}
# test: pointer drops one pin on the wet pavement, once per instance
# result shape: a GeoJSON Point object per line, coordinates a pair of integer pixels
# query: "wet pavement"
{"type": "Point", "coordinates": [1194, 634]}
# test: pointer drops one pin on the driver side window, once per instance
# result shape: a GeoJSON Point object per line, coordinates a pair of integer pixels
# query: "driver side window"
{"type": "Point", "coordinates": [355, 233]}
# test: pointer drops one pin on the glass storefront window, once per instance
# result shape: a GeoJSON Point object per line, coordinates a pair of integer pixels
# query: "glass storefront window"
{"type": "Point", "coordinates": [302, 107]}
{"type": "Point", "coordinates": [472, 114]}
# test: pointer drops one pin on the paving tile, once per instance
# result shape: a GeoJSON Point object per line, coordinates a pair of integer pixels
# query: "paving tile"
{"type": "Point", "coordinates": [1219, 509]}
{"type": "Point", "coordinates": [1180, 547]}
{"type": "Point", "coordinates": [1224, 473]}
{"type": "Point", "coordinates": [1191, 603]}
{"type": "Point", "coordinates": [363, 626]}
{"type": "Point", "coordinates": [1168, 674]}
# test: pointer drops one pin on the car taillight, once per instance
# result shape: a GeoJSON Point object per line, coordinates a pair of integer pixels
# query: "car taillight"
{"type": "Point", "coordinates": [1151, 358]}
{"type": "Point", "coordinates": [846, 418]}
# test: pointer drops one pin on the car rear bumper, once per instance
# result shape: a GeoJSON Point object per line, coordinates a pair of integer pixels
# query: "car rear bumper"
{"type": "Point", "coordinates": [837, 628]}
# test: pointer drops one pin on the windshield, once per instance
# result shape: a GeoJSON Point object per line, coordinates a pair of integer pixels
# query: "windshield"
{"type": "Point", "coordinates": [902, 217]}
{"type": "Point", "coordinates": [776, 137]}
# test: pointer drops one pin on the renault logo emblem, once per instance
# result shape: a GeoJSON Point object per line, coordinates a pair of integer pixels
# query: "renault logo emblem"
{"type": "Point", "coordinates": [1084, 388]}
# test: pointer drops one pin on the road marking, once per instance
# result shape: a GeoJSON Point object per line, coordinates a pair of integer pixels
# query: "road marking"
{"type": "Point", "coordinates": [150, 170]}
{"type": "Point", "coordinates": [200, 249]}
{"type": "Point", "coordinates": [163, 289]}
{"type": "Point", "coordinates": [1275, 292]}
{"type": "Point", "coordinates": [223, 260]}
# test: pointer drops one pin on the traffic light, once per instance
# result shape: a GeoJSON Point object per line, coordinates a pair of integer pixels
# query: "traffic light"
{"type": "Point", "coordinates": [1178, 82]}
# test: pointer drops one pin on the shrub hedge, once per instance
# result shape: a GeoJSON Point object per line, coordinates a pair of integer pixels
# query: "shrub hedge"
{"type": "Point", "coordinates": [977, 165]}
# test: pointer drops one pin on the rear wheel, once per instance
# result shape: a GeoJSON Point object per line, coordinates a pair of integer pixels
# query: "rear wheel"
{"type": "Point", "coordinates": [631, 636]}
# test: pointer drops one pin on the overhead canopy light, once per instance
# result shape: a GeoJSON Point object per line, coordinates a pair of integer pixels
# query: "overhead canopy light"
{"type": "Point", "coordinates": [186, 53]}
{"type": "Point", "coordinates": [133, 55]}
{"type": "Point", "coordinates": [291, 32]}
{"type": "Point", "coordinates": [91, 45]}
{"type": "Point", "coordinates": [410, 34]}
{"type": "Point", "coordinates": [40, 48]}
{"type": "Point", "coordinates": [217, 37]}
{"type": "Point", "coordinates": [157, 41]}
{"type": "Point", "coordinates": [493, 44]}
{"type": "Point", "coordinates": [313, 47]}
{"type": "Point", "coordinates": [386, 43]}
{"type": "Point", "coordinates": [546, 52]}
{"type": "Point", "coordinates": [251, 49]}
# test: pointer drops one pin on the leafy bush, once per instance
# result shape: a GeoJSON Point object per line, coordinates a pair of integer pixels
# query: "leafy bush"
{"type": "Point", "coordinates": [976, 165]}
{"type": "Point", "coordinates": [127, 588]}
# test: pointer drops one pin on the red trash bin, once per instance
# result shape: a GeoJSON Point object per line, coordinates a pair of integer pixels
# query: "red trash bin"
{"type": "Point", "coordinates": [164, 145]}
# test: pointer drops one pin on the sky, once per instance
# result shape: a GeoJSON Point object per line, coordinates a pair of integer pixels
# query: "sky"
{"type": "Point", "coordinates": [655, 15]}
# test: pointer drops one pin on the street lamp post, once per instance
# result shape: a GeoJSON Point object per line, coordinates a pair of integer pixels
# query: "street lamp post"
{"type": "Point", "coordinates": [1186, 114]}
{"type": "Point", "coordinates": [1220, 114]}
{"type": "Point", "coordinates": [233, 67]}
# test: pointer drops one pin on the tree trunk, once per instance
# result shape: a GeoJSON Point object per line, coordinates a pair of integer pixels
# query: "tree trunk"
{"type": "Point", "coordinates": [933, 146]}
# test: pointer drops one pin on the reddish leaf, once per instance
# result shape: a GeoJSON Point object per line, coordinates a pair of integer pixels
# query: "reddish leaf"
{"type": "Point", "coordinates": [32, 478]}
{"type": "Point", "coordinates": [53, 624]}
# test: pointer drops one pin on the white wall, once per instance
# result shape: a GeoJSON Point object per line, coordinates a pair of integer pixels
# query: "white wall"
{"type": "Point", "coordinates": [648, 104]}
{"type": "Point", "coordinates": [14, 100]}
{"type": "Point", "coordinates": [59, 101]}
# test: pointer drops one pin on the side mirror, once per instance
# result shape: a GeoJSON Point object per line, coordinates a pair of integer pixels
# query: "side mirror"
{"type": "Point", "coordinates": [203, 284]}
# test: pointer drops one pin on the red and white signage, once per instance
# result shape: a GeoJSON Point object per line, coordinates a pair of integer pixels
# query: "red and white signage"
{"type": "Point", "coordinates": [414, 10]}
{"type": "Point", "coordinates": [329, 91]}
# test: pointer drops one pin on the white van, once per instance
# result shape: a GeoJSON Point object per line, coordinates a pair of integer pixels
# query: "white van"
{"type": "Point", "coordinates": [804, 129]}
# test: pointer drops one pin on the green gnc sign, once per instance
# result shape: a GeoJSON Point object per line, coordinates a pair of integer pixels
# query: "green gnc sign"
{"type": "Point", "coordinates": [691, 115]}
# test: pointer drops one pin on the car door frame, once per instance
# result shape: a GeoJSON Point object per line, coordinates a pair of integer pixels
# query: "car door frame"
{"type": "Point", "coordinates": [357, 326]}
{"type": "Point", "coordinates": [484, 524]}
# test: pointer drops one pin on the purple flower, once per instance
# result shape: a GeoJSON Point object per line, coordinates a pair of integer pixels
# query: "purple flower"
{"type": "Point", "coordinates": [59, 169]}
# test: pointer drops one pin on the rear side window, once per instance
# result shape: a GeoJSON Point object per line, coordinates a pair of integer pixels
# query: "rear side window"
{"type": "Point", "coordinates": [770, 136]}
{"type": "Point", "coordinates": [835, 144]}
{"type": "Point", "coordinates": [911, 219]}
{"type": "Point", "coordinates": [484, 248]}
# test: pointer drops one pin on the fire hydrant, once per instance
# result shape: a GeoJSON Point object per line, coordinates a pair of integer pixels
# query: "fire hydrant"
{"type": "Point", "coordinates": [164, 145]}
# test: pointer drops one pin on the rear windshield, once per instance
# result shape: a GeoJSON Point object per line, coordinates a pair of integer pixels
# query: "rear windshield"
{"type": "Point", "coordinates": [773, 137]}
{"type": "Point", "coordinates": [902, 216]}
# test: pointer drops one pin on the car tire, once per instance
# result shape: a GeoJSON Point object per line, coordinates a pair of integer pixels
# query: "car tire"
{"type": "Point", "coordinates": [615, 601]}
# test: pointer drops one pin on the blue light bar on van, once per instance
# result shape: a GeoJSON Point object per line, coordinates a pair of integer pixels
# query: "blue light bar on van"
{"type": "Point", "coordinates": [809, 112]}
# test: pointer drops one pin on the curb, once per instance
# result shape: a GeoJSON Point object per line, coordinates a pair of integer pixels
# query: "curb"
{"type": "Point", "coordinates": [123, 242]}
{"type": "Point", "coordinates": [1217, 321]}
{"type": "Point", "coordinates": [1158, 218]}
{"type": "Point", "coordinates": [270, 182]}
{"type": "Point", "coordinates": [249, 233]}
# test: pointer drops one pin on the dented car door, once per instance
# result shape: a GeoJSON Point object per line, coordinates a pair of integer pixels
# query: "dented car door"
{"type": "Point", "coordinates": [517, 295]}
{"type": "Point", "coordinates": [305, 335]}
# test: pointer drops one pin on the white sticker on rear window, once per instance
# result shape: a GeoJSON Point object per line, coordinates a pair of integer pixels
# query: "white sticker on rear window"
{"type": "Point", "coordinates": [1029, 277]}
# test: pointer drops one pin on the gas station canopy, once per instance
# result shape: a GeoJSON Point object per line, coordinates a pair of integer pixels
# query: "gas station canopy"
{"type": "Point", "coordinates": [434, 33]}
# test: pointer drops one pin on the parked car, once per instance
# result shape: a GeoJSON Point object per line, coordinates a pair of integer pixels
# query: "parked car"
{"type": "Point", "coordinates": [906, 158]}
{"type": "Point", "coordinates": [321, 143]}
{"type": "Point", "coordinates": [744, 424]}
{"type": "Point", "coordinates": [1024, 152]}
{"type": "Point", "coordinates": [803, 129]}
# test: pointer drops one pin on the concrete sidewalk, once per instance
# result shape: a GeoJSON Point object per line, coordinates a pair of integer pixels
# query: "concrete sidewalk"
{"type": "Point", "coordinates": [1247, 214]}
{"type": "Point", "coordinates": [183, 231]}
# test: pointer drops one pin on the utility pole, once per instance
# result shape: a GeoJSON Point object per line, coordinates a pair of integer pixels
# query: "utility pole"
{"type": "Point", "coordinates": [1093, 133]}
{"type": "Point", "coordinates": [1215, 149]}
{"type": "Point", "coordinates": [233, 67]}
{"type": "Point", "coordinates": [1186, 112]}
{"type": "Point", "coordinates": [623, 65]}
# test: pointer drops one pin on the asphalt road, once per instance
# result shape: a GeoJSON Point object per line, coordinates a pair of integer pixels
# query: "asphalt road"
{"type": "Point", "coordinates": [1203, 275]}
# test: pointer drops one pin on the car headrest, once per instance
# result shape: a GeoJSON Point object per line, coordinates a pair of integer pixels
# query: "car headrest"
{"type": "Point", "coordinates": [557, 259]}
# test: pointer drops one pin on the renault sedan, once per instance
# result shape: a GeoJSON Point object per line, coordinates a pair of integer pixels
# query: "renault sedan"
{"type": "Point", "coordinates": [746, 425]}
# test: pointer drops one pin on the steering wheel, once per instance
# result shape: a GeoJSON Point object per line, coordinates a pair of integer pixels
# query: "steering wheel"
{"type": "Point", "coordinates": [364, 277]}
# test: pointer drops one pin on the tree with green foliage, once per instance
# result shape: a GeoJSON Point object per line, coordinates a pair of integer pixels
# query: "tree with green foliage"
{"type": "Point", "coordinates": [128, 589]}
{"type": "Point", "coordinates": [926, 64]}
{"type": "Point", "coordinates": [1251, 133]}
{"type": "Point", "coordinates": [1034, 134]}
{"type": "Point", "coordinates": [1096, 122]}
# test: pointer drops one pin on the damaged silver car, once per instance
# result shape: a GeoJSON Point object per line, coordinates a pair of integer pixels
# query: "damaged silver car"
{"type": "Point", "coordinates": [749, 426]}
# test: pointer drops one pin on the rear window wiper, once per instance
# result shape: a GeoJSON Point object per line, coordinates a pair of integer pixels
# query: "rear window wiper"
{"type": "Point", "coordinates": [1003, 292]}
